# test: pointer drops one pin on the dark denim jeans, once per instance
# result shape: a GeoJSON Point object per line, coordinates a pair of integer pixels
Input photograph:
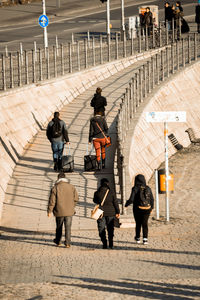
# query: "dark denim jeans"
{"type": "Point", "coordinates": [141, 220]}
{"type": "Point", "coordinates": [102, 224]}
{"type": "Point", "coordinates": [57, 148]}
{"type": "Point", "coordinates": [59, 226]}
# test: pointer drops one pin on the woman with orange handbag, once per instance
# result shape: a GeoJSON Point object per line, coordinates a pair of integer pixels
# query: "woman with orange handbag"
{"type": "Point", "coordinates": [97, 135]}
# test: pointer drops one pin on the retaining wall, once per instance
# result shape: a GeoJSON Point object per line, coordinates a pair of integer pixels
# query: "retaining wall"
{"type": "Point", "coordinates": [182, 93]}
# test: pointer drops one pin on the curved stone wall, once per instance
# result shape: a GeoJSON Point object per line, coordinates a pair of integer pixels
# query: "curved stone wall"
{"type": "Point", "coordinates": [181, 93]}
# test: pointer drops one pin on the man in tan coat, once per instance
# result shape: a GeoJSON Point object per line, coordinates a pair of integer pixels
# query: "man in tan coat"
{"type": "Point", "coordinates": [62, 202]}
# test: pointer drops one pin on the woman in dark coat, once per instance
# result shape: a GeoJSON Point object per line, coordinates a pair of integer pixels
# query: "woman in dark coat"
{"type": "Point", "coordinates": [98, 102]}
{"type": "Point", "coordinates": [143, 203]}
{"type": "Point", "coordinates": [111, 210]}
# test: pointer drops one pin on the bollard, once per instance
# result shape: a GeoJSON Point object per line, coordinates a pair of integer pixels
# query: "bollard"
{"type": "Point", "coordinates": [3, 72]}
{"type": "Point", "coordinates": [116, 46]}
{"type": "Point", "coordinates": [26, 67]}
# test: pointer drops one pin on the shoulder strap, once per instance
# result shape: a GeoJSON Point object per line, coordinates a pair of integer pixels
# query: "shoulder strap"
{"type": "Point", "coordinates": [104, 198]}
{"type": "Point", "coordinates": [101, 131]}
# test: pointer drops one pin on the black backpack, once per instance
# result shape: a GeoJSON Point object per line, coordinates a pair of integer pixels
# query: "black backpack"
{"type": "Point", "coordinates": [56, 130]}
{"type": "Point", "coordinates": [144, 197]}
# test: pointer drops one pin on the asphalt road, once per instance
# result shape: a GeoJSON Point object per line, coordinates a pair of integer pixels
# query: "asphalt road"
{"type": "Point", "coordinates": [63, 25]}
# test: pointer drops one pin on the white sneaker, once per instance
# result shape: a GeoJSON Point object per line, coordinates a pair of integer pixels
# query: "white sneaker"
{"type": "Point", "coordinates": [145, 241]}
{"type": "Point", "coordinates": [137, 240]}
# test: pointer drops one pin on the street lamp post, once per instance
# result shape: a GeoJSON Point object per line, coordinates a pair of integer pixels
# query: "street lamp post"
{"type": "Point", "coordinates": [45, 28]}
{"type": "Point", "coordinates": [108, 17]}
{"type": "Point", "coordinates": [122, 20]}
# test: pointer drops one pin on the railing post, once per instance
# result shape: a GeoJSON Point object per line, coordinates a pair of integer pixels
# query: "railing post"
{"type": "Point", "coordinates": [146, 39]}
{"type": "Point", "coordinates": [177, 55]}
{"type": "Point", "coordinates": [108, 43]}
{"type": "Point", "coordinates": [78, 56]}
{"type": "Point", "coordinates": [167, 60]}
{"type": "Point", "coordinates": [195, 46]}
{"type": "Point", "coordinates": [40, 65]}
{"type": "Point", "coordinates": [153, 36]}
{"type": "Point", "coordinates": [93, 50]}
{"type": "Point", "coordinates": [153, 72]}
{"type": "Point", "coordinates": [55, 61]}
{"type": "Point", "coordinates": [3, 58]}
{"type": "Point", "coordinates": [62, 60]}
{"type": "Point", "coordinates": [158, 68]}
{"type": "Point", "coordinates": [189, 54]}
{"type": "Point", "coordinates": [101, 50]}
{"type": "Point", "coordinates": [173, 33]}
{"type": "Point", "coordinates": [140, 85]}
{"type": "Point", "coordinates": [11, 72]}
{"type": "Point", "coordinates": [19, 69]}
{"type": "Point", "coordinates": [149, 76]}
{"type": "Point", "coordinates": [139, 40]}
{"type": "Point", "coordinates": [183, 53]}
{"type": "Point", "coordinates": [86, 54]}
{"type": "Point", "coordinates": [26, 67]}
{"type": "Point", "coordinates": [137, 103]}
{"type": "Point", "coordinates": [33, 66]}
{"type": "Point", "coordinates": [47, 63]}
{"type": "Point", "coordinates": [172, 57]}
{"type": "Point", "coordinates": [131, 41]}
{"type": "Point", "coordinates": [124, 44]}
{"type": "Point", "coordinates": [179, 29]}
{"type": "Point", "coordinates": [131, 99]}
{"type": "Point", "coordinates": [70, 56]}
{"type": "Point", "coordinates": [160, 36]}
{"type": "Point", "coordinates": [162, 65]}
{"type": "Point", "coordinates": [167, 32]}
{"type": "Point", "coordinates": [145, 80]}
{"type": "Point", "coordinates": [116, 46]}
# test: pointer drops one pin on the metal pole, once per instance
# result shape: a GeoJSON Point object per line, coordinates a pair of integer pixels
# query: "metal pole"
{"type": "Point", "coordinates": [21, 53]}
{"type": "Point", "coordinates": [93, 50]}
{"type": "Point", "coordinates": [116, 46]}
{"type": "Point", "coordinates": [19, 69]}
{"type": "Point", "coordinates": [108, 44]}
{"type": "Point", "coordinates": [189, 57]}
{"type": "Point", "coordinates": [183, 53]}
{"type": "Point", "coordinates": [157, 195]}
{"type": "Point", "coordinates": [55, 61]}
{"type": "Point", "coordinates": [57, 52]}
{"type": "Point", "coordinates": [70, 57]}
{"type": "Point", "coordinates": [86, 54]}
{"type": "Point", "coordinates": [11, 72]}
{"type": "Point", "coordinates": [26, 66]}
{"type": "Point", "coordinates": [177, 54]}
{"type": "Point", "coordinates": [167, 33]}
{"type": "Point", "coordinates": [108, 16]}
{"type": "Point", "coordinates": [195, 46]}
{"type": "Point", "coordinates": [78, 56]}
{"type": "Point", "coordinates": [62, 60]}
{"type": "Point", "coordinates": [101, 50]}
{"type": "Point", "coordinates": [40, 64]}
{"type": "Point", "coordinates": [3, 58]}
{"type": "Point", "coordinates": [35, 49]}
{"type": "Point", "coordinates": [45, 28]}
{"type": "Point", "coordinates": [122, 18]}
{"type": "Point", "coordinates": [166, 171]}
{"type": "Point", "coordinates": [173, 34]}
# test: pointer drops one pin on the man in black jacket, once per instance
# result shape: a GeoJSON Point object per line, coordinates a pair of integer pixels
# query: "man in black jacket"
{"type": "Point", "coordinates": [98, 102]}
{"type": "Point", "coordinates": [57, 133]}
{"type": "Point", "coordinates": [111, 210]}
{"type": "Point", "coordinates": [168, 15]}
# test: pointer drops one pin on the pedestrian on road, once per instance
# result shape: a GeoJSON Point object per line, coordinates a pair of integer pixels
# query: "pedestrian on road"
{"type": "Point", "coordinates": [97, 134]}
{"type": "Point", "coordinates": [148, 20]}
{"type": "Point", "coordinates": [62, 201]}
{"type": "Point", "coordinates": [110, 212]}
{"type": "Point", "coordinates": [98, 102]}
{"type": "Point", "coordinates": [197, 17]}
{"type": "Point", "coordinates": [168, 15]}
{"type": "Point", "coordinates": [57, 133]}
{"type": "Point", "coordinates": [143, 202]}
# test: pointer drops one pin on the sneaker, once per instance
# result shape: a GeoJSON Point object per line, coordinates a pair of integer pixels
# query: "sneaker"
{"type": "Point", "coordinates": [145, 241]}
{"type": "Point", "coordinates": [137, 240]}
{"type": "Point", "coordinates": [58, 244]}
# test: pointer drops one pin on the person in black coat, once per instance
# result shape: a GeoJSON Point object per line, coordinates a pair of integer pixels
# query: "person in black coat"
{"type": "Point", "coordinates": [141, 213]}
{"type": "Point", "coordinates": [98, 102]}
{"type": "Point", "coordinates": [168, 15]}
{"type": "Point", "coordinates": [111, 210]}
{"type": "Point", "coordinates": [197, 17]}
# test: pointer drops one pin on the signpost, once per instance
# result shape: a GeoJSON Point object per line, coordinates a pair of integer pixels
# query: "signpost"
{"type": "Point", "coordinates": [165, 117]}
{"type": "Point", "coordinates": [44, 22]}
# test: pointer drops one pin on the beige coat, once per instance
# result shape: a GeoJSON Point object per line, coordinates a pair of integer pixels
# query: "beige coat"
{"type": "Point", "coordinates": [63, 199]}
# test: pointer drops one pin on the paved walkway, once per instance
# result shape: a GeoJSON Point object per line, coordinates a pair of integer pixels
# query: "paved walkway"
{"type": "Point", "coordinates": [167, 268]}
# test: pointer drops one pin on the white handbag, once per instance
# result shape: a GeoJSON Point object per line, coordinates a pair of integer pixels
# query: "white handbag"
{"type": "Point", "coordinates": [96, 212]}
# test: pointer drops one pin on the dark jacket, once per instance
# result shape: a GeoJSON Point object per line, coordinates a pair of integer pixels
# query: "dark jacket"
{"type": "Point", "coordinates": [148, 18]}
{"type": "Point", "coordinates": [111, 206]}
{"type": "Point", "coordinates": [168, 13]}
{"type": "Point", "coordinates": [63, 137]}
{"type": "Point", "coordinates": [197, 17]}
{"type": "Point", "coordinates": [98, 102]}
{"type": "Point", "coordinates": [135, 195]}
{"type": "Point", "coordinates": [95, 132]}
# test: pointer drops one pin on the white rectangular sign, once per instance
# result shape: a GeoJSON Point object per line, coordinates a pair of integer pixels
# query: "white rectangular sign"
{"type": "Point", "coordinates": [166, 116]}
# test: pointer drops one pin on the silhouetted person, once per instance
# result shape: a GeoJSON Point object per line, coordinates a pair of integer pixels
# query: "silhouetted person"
{"type": "Point", "coordinates": [99, 102]}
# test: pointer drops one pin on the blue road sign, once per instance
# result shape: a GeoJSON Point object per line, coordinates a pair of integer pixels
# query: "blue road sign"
{"type": "Point", "coordinates": [43, 21]}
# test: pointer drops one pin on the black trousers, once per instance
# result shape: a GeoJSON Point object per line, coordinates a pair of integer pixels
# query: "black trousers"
{"type": "Point", "coordinates": [141, 219]}
{"type": "Point", "coordinates": [103, 223]}
{"type": "Point", "coordinates": [67, 221]}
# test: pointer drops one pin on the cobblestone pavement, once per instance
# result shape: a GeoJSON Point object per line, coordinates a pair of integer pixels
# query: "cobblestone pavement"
{"type": "Point", "coordinates": [168, 268]}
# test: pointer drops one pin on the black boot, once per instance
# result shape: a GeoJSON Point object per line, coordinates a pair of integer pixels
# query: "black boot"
{"type": "Point", "coordinates": [99, 165]}
{"type": "Point", "coordinates": [60, 165]}
{"type": "Point", "coordinates": [55, 164]}
{"type": "Point", "coordinates": [111, 244]}
{"type": "Point", "coordinates": [105, 244]}
{"type": "Point", "coordinates": [103, 163]}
